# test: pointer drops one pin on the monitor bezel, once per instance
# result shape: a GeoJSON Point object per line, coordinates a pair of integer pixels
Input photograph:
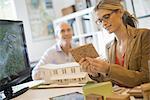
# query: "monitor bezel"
{"type": "Point", "coordinates": [24, 74]}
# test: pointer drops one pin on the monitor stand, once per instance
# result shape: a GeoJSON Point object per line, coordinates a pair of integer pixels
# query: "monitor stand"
{"type": "Point", "coordinates": [9, 93]}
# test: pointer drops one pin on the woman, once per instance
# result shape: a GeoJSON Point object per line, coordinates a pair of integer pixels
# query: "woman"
{"type": "Point", "coordinates": [128, 54]}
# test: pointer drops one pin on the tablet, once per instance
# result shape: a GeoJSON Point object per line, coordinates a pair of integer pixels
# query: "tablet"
{"type": "Point", "coordinates": [87, 50]}
{"type": "Point", "coordinates": [69, 96]}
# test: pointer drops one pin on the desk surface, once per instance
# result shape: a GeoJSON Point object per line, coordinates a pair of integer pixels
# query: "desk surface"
{"type": "Point", "coordinates": [45, 94]}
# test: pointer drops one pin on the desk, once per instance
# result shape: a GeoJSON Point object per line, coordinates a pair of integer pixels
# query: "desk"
{"type": "Point", "coordinates": [45, 94]}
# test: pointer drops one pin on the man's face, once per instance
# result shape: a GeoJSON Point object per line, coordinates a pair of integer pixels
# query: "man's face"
{"type": "Point", "coordinates": [65, 34]}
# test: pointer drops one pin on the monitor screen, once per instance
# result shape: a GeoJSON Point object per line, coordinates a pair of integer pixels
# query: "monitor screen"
{"type": "Point", "coordinates": [14, 63]}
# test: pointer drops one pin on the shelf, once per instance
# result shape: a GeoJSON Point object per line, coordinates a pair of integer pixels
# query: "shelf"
{"type": "Point", "coordinates": [83, 25]}
{"type": "Point", "coordinates": [86, 17]}
{"type": "Point", "coordinates": [76, 14]}
{"type": "Point", "coordinates": [85, 35]}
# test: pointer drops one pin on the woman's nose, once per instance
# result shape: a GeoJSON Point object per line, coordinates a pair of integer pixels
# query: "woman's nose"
{"type": "Point", "coordinates": [105, 23]}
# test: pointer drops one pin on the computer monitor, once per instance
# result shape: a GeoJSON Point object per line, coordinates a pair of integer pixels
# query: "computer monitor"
{"type": "Point", "coordinates": [14, 63]}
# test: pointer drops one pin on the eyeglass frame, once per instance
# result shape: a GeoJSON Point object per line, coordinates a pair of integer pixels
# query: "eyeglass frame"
{"type": "Point", "coordinates": [105, 17]}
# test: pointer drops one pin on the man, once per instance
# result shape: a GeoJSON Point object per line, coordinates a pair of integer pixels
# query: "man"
{"type": "Point", "coordinates": [59, 53]}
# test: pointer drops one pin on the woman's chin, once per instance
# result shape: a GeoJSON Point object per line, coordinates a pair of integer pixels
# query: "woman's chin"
{"type": "Point", "coordinates": [110, 31]}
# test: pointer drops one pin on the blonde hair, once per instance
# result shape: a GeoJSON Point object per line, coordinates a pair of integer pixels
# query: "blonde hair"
{"type": "Point", "coordinates": [127, 18]}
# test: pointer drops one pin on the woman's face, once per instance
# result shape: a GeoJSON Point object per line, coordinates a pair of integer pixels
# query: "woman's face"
{"type": "Point", "coordinates": [110, 20]}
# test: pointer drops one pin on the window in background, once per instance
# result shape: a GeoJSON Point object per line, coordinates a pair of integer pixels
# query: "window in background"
{"type": "Point", "coordinates": [48, 4]}
{"type": "Point", "coordinates": [7, 10]}
{"type": "Point", "coordinates": [41, 14]}
{"type": "Point", "coordinates": [141, 8]}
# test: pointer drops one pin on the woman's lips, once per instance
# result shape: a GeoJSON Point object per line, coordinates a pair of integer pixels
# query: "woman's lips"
{"type": "Point", "coordinates": [108, 27]}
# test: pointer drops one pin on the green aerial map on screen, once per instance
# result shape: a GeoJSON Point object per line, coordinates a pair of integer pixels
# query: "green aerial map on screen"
{"type": "Point", "coordinates": [11, 50]}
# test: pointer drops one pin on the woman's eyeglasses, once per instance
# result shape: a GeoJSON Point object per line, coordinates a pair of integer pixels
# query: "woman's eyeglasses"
{"type": "Point", "coordinates": [104, 18]}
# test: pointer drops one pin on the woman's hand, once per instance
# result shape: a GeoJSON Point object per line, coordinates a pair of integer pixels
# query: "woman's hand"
{"type": "Point", "coordinates": [99, 65]}
{"type": "Point", "coordinates": [87, 67]}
